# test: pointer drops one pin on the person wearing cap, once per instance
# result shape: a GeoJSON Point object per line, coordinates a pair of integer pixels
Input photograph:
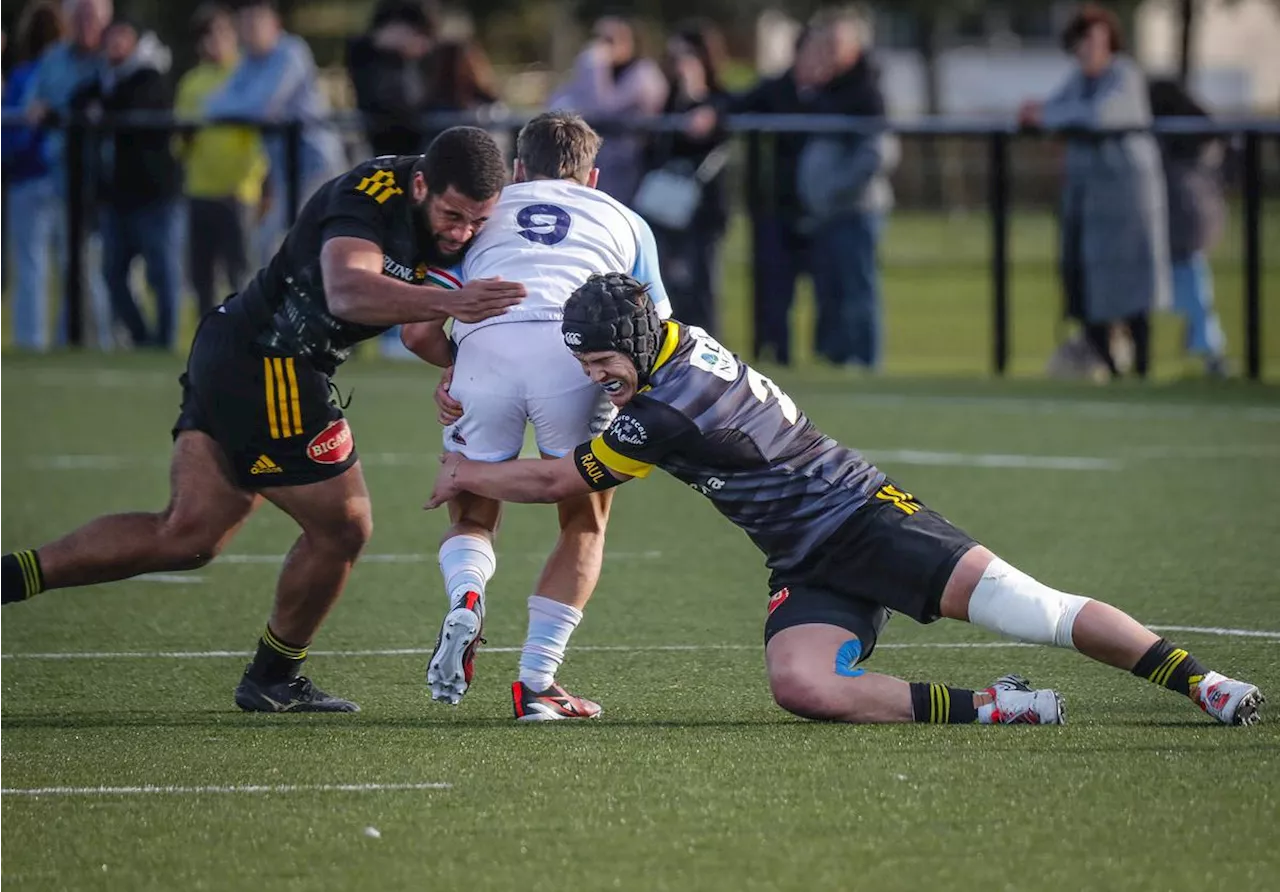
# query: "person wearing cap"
{"type": "Point", "coordinates": [846, 545]}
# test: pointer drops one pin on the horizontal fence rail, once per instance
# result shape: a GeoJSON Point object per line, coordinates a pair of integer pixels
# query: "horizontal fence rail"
{"type": "Point", "coordinates": [1247, 133]}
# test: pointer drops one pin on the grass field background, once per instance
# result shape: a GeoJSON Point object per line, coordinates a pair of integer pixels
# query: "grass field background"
{"type": "Point", "coordinates": [1160, 499]}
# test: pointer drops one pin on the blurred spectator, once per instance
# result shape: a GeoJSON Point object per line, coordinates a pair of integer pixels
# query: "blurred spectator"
{"type": "Point", "coordinates": [843, 181]}
{"type": "Point", "coordinates": [62, 71]}
{"type": "Point", "coordinates": [141, 182]}
{"type": "Point", "coordinates": [780, 250]}
{"type": "Point", "coordinates": [390, 69]}
{"type": "Point", "coordinates": [1115, 236]}
{"type": "Point", "coordinates": [611, 79]}
{"type": "Point", "coordinates": [277, 81]}
{"type": "Point", "coordinates": [29, 188]}
{"type": "Point", "coordinates": [1196, 215]}
{"type": "Point", "coordinates": [462, 80]}
{"type": "Point", "coordinates": [689, 249]}
{"type": "Point", "coordinates": [225, 165]}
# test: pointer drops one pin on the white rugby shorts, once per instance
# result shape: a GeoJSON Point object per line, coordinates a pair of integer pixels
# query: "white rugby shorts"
{"type": "Point", "coordinates": [517, 373]}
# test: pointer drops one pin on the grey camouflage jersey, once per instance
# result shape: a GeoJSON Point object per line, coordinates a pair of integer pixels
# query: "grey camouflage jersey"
{"type": "Point", "coordinates": [717, 424]}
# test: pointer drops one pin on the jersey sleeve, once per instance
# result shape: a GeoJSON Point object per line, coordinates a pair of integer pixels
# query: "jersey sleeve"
{"type": "Point", "coordinates": [640, 436]}
{"type": "Point", "coordinates": [646, 268]}
{"type": "Point", "coordinates": [356, 208]}
{"type": "Point", "coordinates": [451, 278]}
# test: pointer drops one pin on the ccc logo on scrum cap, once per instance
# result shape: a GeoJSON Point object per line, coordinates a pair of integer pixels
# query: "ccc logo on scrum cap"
{"type": "Point", "coordinates": [545, 224]}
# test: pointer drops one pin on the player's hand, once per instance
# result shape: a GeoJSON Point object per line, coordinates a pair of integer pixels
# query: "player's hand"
{"type": "Point", "coordinates": [450, 410]}
{"type": "Point", "coordinates": [446, 481]}
{"type": "Point", "coordinates": [484, 298]}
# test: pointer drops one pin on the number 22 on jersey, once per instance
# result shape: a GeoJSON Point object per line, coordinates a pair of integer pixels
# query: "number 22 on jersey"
{"type": "Point", "coordinates": [710, 356]}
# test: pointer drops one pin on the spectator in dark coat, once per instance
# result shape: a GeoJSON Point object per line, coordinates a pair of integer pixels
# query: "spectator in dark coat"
{"type": "Point", "coordinates": [1196, 212]}
{"type": "Point", "coordinates": [141, 181]}
{"type": "Point", "coordinates": [780, 250]}
{"type": "Point", "coordinates": [843, 181]}
{"type": "Point", "coordinates": [690, 255]}
{"type": "Point", "coordinates": [390, 68]}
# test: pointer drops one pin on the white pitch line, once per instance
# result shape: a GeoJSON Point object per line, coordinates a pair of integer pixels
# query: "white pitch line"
{"type": "Point", "coordinates": [590, 648]}
{"type": "Point", "coordinates": [173, 578]}
{"type": "Point", "coordinates": [422, 558]}
{"type": "Point", "coordinates": [992, 460]}
{"type": "Point", "coordinates": [195, 791]}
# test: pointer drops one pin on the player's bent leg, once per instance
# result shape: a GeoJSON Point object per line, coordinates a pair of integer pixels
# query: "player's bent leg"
{"type": "Point", "coordinates": [467, 563]}
{"type": "Point", "coordinates": [986, 591]}
{"type": "Point", "coordinates": [813, 673]}
{"type": "Point", "coordinates": [206, 508]}
{"type": "Point", "coordinates": [336, 520]}
{"type": "Point", "coordinates": [567, 581]}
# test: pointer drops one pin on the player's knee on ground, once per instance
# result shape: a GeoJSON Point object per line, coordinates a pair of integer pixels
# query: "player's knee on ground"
{"type": "Point", "coordinates": [797, 691]}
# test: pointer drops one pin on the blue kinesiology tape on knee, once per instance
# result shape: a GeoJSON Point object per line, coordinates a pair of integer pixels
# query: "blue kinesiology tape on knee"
{"type": "Point", "coordinates": [847, 659]}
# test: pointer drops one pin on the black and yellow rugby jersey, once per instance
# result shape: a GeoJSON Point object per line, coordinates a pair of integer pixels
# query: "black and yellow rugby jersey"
{"type": "Point", "coordinates": [713, 422]}
{"type": "Point", "coordinates": [285, 303]}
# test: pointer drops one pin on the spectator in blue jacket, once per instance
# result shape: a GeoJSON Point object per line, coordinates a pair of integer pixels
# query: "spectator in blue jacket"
{"type": "Point", "coordinates": [63, 70]}
{"type": "Point", "coordinates": [277, 81]}
{"type": "Point", "coordinates": [29, 187]}
{"type": "Point", "coordinates": [844, 189]}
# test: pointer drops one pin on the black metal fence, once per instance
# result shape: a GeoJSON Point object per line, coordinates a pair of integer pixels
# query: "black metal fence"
{"type": "Point", "coordinates": [1248, 136]}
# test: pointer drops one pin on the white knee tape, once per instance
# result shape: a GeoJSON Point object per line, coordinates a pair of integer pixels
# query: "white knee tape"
{"type": "Point", "coordinates": [1010, 602]}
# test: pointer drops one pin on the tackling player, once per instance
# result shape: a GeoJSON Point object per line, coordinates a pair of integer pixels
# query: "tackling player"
{"type": "Point", "coordinates": [845, 544]}
{"type": "Point", "coordinates": [257, 421]}
{"type": "Point", "coordinates": [550, 230]}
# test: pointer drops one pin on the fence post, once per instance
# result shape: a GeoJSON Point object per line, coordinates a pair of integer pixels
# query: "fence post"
{"type": "Point", "coordinates": [1252, 255]}
{"type": "Point", "coordinates": [293, 169]}
{"type": "Point", "coordinates": [73, 287]}
{"type": "Point", "coordinates": [998, 193]}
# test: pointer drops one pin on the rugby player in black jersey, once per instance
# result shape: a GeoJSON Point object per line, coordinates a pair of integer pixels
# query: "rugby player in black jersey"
{"type": "Point", "coordinates": [846, 545]}
{"type": "Point", "coordinates": [257, 419]}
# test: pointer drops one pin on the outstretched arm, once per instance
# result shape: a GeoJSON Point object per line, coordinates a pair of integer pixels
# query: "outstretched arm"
{"type": "Point", "coordinates": [523, 480]}
{"type": "Point", "coordinates": [357, 291]}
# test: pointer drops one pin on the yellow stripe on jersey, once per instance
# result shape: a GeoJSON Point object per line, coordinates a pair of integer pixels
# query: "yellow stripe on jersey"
{"type": "Point", "coordinates": [670, 341]}
{"type": "Point", "coordinates": [615, 461]}
{"type": "Point", "coordinates": [295, 403]}
{"type": "Point", "coordinates": [282, 394]}
{"type": "Point", "coordinates": [269, 374]}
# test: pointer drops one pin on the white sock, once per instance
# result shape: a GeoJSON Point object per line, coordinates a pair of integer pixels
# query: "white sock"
{"type": "Point", "coordinates": [550, 625]}
{"type": "Point", "coordinates": [467, 563]}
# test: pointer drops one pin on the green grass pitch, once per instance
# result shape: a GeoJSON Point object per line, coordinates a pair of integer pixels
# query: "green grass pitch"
{"type": "Point", "coordinates": [1160, 499]}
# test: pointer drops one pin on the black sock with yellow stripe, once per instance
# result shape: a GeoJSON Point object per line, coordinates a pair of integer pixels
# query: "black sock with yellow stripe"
{"type": "Point", "coordinates": [276, 659]}
{"type": "Point", "coordinates": [939, 704]}
{"type": "Point", "coordinates": [20, 576]}
{"type": "Point", "coordinates": [1170, 667]}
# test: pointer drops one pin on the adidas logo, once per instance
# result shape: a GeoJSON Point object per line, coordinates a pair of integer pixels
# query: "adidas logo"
{"type": "Point", "coordinates": [265, 465]}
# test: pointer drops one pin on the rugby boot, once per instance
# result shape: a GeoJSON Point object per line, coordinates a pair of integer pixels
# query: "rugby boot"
{"type": "Point", "coordinates": [296, 694]}
{"type": "Point", "coordinates": [1229, 701]}
{"type": "Point", "coordinates": [1017, 704]}
{"type": "Point", "coordinates": [550, 705]}
{"type": "Point", "coordinates": [453, 662]}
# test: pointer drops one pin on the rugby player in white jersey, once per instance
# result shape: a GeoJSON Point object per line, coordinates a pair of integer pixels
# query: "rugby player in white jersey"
{"type": "Point", "coordinates": [551, 231]}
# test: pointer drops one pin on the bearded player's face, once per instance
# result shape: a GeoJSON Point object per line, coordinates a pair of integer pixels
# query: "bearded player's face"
{"type": "Point", "coordinates": [614, 372]}
{"type": "Point", "coordinates": [453, 219]}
